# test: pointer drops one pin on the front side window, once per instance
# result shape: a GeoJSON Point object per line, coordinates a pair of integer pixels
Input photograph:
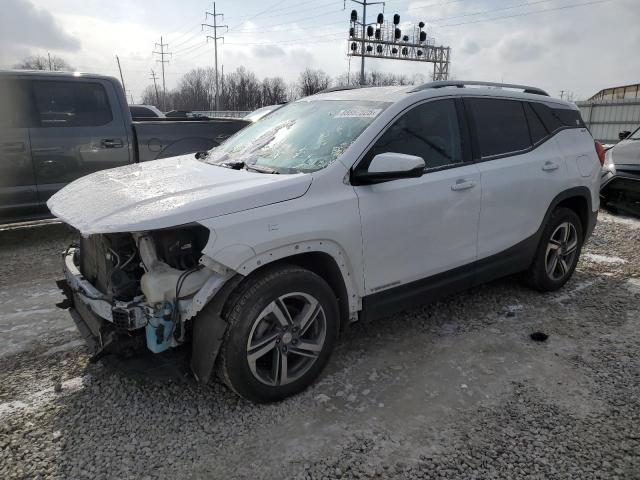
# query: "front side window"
{"type": "Point", "coordinates": [303, 136]}
{"type": "Point", "coordinates": [71, 104]}
{"type": "Point", "coordinates": [500, 125]}
{"type": "Point", "coordinates": [430, 131]}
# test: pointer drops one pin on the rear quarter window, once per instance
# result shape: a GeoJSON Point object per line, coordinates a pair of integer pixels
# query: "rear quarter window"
{"type": "Point", "coordinates": [555, 119]}
{"type": "Point", "coordinates": [71, 104]}
{"type": "Point", "coordinates": [500, 125]}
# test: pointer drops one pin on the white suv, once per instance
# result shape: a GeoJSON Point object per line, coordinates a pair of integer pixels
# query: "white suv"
{"type": "Point", "coordinates": [346, 204]}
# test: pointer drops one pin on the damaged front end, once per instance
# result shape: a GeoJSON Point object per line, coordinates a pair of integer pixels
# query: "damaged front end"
{"type": "Point", "coordinates": [131, 289]}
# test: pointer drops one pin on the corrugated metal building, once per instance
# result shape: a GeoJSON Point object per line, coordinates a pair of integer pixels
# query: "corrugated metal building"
{"type": "Point", "coordinates": [611, 111]}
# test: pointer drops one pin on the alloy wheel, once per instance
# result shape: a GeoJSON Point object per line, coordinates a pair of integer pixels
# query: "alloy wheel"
{"type": "Point", "coordinates": [286, 339]}
{"type": "Point", "coordinates": [561, 251]}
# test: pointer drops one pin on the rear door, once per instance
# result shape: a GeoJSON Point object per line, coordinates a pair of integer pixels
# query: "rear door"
{"type": "Point", "coordinates": [79, 130]}
{"type": "Point", "coordinates": [521, 171]}
{"type": "Point", "coordinates": [18, 193]}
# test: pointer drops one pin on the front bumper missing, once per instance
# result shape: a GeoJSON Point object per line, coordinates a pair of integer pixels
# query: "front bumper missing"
{"type": "Point", "coordinates": [99, 320]}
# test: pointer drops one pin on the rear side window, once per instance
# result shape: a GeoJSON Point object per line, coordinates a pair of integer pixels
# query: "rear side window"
{"type": "Point", "coordinates": [557, 118]}
{"type": "Point", "coordinates": [536, 128]}
{"type": "Point", "coordinates": [71, 104]}
{"type": "Point", "coordinates": [501, 125]}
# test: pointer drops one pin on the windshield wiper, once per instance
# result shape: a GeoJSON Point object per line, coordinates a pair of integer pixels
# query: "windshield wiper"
{"type": "Point", "coordinates": [234, 164]}
{"type": "Point", "coordinates": [261, 169]}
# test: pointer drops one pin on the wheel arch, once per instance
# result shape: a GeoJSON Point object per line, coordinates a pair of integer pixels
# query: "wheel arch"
{"type": "Point", "coordinates": [577, 199]}
{"type": "Point", "coordinates": [326, 259]}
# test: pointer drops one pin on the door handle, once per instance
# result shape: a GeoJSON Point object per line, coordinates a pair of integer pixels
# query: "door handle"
{"type": "Point", "coordinates": [463, 184]}
{"type": "Point", "coordinates": [550, 166]}
{"type": "Point", "coordinates": [13, 147]}
{"type": "Point", "coordinates": [111, 143]}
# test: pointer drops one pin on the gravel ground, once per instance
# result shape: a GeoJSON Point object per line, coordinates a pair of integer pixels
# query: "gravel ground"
{"type": "Point", "coordinates": [453, 390]}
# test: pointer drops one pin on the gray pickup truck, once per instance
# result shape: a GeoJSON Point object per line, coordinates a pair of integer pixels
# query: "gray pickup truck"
{"type": "Point", "coordinates": [56, 127]}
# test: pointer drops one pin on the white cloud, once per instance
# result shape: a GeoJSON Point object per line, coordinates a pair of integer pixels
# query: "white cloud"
{"type": "Point", "coordinates": [519, 47]}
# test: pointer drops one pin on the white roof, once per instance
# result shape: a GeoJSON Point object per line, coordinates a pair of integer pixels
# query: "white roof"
{"type": "Point", "coordinates": [394, 94]}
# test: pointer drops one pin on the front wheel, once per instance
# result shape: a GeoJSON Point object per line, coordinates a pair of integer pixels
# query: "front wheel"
{"type": "Point", "coordinates": [558, 252]}
{"type": "Point", "coordinates": [282, 327]}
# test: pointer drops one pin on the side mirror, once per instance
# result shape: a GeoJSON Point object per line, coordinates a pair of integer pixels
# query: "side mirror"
{"type": "Point", "coordinates": [386, 167]}
{"type": "Point", "coordinates": [624, 134]}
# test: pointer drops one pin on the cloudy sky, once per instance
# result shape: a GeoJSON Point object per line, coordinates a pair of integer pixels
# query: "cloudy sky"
{"type": "Point", "coordinates": [579, 46]}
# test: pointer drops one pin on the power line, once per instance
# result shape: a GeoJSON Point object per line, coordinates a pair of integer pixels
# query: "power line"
{"type": "Point", "coordinates": [257, 14]}
{"type": "Point", "coordinates": [162, 61]}
{"type": "Point", "coordinates": [526, 14]}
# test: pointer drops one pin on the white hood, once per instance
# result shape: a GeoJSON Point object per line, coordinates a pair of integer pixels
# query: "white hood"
{"type": "Point", "coordinates": [166, 193]}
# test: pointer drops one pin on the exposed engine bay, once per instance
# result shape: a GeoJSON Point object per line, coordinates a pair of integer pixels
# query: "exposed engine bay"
{"type": "Point", "coordinates": [138, 287]}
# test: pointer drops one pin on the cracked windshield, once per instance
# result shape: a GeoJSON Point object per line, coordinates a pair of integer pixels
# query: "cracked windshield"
{"type": "Point", "coordinates": [300, 137]}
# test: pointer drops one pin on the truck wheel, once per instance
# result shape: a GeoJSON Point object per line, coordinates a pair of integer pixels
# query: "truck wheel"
{"type": "Point", "coordinates": [282, 327]}
{"type": "Point", "coordinates": [558, 251]}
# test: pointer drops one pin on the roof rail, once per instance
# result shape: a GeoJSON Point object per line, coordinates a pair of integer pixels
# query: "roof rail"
{"type": "Point", "coordinates": [463, 84]}
{"type": "Point", "coordinates": [339, 88]}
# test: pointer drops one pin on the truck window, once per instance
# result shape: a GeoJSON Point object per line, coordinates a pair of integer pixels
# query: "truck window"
{"type": "Point", "coordinates": [14, 104]}
{"type": "Point", "coordinates": [500, 125]}
{"type": "Point", "coordinates": [71, 104]}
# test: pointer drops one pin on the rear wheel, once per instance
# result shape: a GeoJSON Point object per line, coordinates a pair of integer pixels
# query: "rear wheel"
{"type": "Point", "coordinates": [558, 252]}
{"type": "Point", "coordinates": [283, 325]}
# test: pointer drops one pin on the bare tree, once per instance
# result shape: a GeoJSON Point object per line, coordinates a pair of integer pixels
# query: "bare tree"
{"type": "Point", "coordinates": [313, 81]}
{"type": "Point", "coordinates": [376, 79]}
{"type": "Point", "coordinates": [242, 91]}
{"type": "Point", "coordinates": [149, 96]}
{"type": "Point", "coordinates": [42, 62]}
{"type": "Point", "coordinates": [196, 89]}
{"type": "Point", "coordinates": [274, 91]}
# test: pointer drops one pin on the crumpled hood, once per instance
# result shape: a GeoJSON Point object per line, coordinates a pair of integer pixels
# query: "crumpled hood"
{"type": "Point", "coordinates": [166, 193]}
{"type": "Point", "coordinates": [627, 152]}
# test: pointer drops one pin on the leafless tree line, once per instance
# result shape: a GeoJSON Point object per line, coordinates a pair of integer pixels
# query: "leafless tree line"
{"type": "Point", "coordinates": [239, 90]}
{"type": "Point", "coordinates": [44, 62]}
{"type": "Point", "coordinates": [242, 90]}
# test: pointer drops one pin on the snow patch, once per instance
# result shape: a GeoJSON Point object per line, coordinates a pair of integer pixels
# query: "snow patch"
{"type": "Point", "coordinates": [603, 259]}
{"type": "Point", "coordinates": [38, 399]}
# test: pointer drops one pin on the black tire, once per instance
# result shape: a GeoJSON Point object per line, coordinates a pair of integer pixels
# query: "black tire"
{"type": "Point", "coordinates": [243, 316]}
{"type": "Point", "coordinates": [538, 275]}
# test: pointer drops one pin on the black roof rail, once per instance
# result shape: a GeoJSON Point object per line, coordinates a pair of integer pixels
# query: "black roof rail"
{"type": "Point", "coordinates": [463, 84]}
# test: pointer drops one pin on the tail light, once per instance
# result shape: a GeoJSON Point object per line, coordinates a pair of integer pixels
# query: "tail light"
{"type": "Point", "coordinates": [601, 152]}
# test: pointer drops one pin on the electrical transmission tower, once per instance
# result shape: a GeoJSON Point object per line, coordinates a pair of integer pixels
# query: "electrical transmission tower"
{"type": "Point", "coordinates": [155, 85]}
{"type": "Point", "coordinates": [215, 39]}
{"type": "Point", "coordinates": [364, 24]}
{"type": "Point", "coordinates": [385, 39]}
{"type": "Point", "coordinates": [162, 61]}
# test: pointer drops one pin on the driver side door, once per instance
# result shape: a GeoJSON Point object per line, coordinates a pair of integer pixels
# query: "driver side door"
{"type": "Point", "coordinates": [416, 229]}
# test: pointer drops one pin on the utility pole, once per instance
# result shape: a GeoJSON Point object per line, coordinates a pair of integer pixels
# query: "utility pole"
{"type": "Point", "coordinates": [222, 81]}
{"type": "Point", "coordinates": [121, 77]}
{"type": "Point", "coordinates": [364, 24]}
{"type": "Point", "coordinates": [561, 94]}
{"type": "Point", "coordinates": [215, 39]}
{"type": "Point", "coordinates": [162, 61]}
{"type": "Point", "coordinates": [49, 55]}
{"type": "Point", "coordinates": [155, 85]}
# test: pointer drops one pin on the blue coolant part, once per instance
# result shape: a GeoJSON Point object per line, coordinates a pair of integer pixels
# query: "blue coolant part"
{"type": "Point", "coordinates": [159, 332]}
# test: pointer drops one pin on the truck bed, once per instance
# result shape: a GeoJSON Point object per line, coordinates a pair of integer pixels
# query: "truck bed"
{"type": "Point", "coordinates": [164, 138]}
